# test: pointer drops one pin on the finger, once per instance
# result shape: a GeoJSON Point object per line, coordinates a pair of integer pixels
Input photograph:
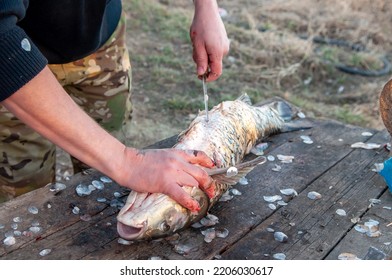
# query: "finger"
{"type": "Point", "coordinates": [215, 67]}
{"type": "Point", "coordinates": [204, 181]}
{"type": "Point", "coordinates": [210, 189]}
{"type": "Point", "coordinates": [200, 57]}
{"type": "Point", "coordinates": [182, 197]}
{"type": "Point", "coordinates": [198, 157]}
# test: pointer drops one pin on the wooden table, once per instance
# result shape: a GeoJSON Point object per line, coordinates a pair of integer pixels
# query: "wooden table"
{"type": "Point", "coordinates": [343, 176]}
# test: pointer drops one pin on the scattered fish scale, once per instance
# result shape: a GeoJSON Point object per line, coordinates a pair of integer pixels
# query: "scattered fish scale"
{"type": "Point", "coordinates": [9, 241]}
{"type": "Point", "coordinates": [209, 220]}
{"type": "Point", "coordinates": [105, 179]}
{"type": "Point", "coordinates": [35, 223]}
{"type": "Point", "coordinates": [373, 233]}
{"type": "Point", "coordinates": [76, 210]}
{"type": "Point", "coordinates": [85, 217]}
{"type": "Point", "coordinates": [272, 198]}
{"type": "Point", "coordinates": [355, 220]}
{"type": "Point", "coordinates": [27, 233]}
{"type": "Point", "coordinates": [155, 258]}
{"type": "Point", "coordinates": [271, 158]}
{"type": "Point", "coordinates": [272, 206]}
{"type": "Point", "coordinates": [314, 195]}
{"type": "Point", "coordinates": [116, 203]}
{"type": "Point", "coordinates": [184, 249]}
{"type": "Point", "coordinates": [374, 201]}
{"type": "Point", "coordinates": [366, 133]}
{"type": "Point", "coordinates": [45, 252]}
{"type": "Point", "coordinates": [33, 210]}
{"type": "Point", "coordinates": [277, 168]}
{"type": "Point", "coordinates": [259, 149]}
{"type": "Point", "coordinates": [285, 159]}
{"type": "Point", "coordinates": [197, 225]}
{"type": "Point", "coordinates": [279, 256]}
{"type": "Point", "coordinates": [347, 256]}
{"type": "Point", "coordinates": [226, 196]}
{"type": "Point", "coordinates": [235, 192]}
{"type": "Point", "coordinates": [280, 236]}
{"type": "Point", "coordinates": [367, 146]}
{"type": "Point", "coordinates": [282, 203]}
{"type": "Point", "coordinates": [84, 190]}
{"type": "Point", "coordinates": [341, 212]}
{"type": "Point", "coordinates": [35, 229]}
{"type": "Point", "coordinates": [209, 235]}
{"type": "Point", "coordinates": [306, 139]}
{"type": "Point", "coordinates": [122, 241]}
{"type": "Point", "coordinates": [98, 184]}
{"type": "Point", "coordinates": [372, 225]}
{"type": "Point", "coordinates": [289, 191]}
{"type": "Point", "coordinates": [56, 187]}
{"type": "Point", "coordinates": [222, 233]}
{"type": "Point", "coordinates": [243, 181]}
{"type": "Point", "coordinates": [361, 228]}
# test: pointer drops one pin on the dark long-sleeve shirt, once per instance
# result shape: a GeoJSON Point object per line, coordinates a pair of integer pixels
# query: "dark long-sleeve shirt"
{"type": "Point", "coordinates": [36, 32]}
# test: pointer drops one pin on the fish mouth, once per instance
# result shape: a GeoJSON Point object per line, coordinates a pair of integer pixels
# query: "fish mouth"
{"type": "Point", "coordinates": [129, 232]}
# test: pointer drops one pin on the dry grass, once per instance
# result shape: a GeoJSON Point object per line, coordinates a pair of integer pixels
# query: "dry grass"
{"type": "Point", "coordinates": [267, 57]}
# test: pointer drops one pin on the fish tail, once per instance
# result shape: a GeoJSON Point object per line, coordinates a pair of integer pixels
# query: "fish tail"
{"type": "Point", "coordinates": [289, 113]}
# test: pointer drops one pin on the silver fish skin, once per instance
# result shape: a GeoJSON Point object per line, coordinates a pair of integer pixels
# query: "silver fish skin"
{"type": "Point", "coordinates": [233, 129]}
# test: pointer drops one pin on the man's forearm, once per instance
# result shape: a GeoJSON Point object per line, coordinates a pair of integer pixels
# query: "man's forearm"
{"type": "Point", "coordinates": [44, 106]}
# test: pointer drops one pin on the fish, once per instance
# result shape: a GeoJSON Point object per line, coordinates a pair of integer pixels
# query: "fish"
{"type": "Point", "coordinates": [234, 127]}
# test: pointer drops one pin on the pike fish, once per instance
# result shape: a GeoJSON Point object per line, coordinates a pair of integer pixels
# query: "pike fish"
{"type": "Point", "coordinates": [233, 129]}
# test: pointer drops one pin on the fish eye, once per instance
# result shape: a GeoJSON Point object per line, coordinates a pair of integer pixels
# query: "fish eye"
{"type": "Point", "coordinates": [164, 226]}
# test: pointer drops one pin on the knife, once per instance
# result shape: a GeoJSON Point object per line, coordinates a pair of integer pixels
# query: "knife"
{"type": "Point", "coordinates": [205, 96]}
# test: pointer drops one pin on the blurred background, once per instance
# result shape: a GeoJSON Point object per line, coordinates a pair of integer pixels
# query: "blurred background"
{"type": "Point", "coordinates": [292, 49]}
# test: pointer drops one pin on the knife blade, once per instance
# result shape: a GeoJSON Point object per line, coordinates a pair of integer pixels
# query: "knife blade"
{"type": "Point", "coordinates": [205, 96]}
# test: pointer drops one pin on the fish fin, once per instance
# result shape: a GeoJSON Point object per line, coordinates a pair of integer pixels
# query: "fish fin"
{"type": "Point", "coordinates": [220, 174]}
{"type": "Point", "coordinates": [245, 98]}
{"type": "Point", "coordinates": [296, 125]}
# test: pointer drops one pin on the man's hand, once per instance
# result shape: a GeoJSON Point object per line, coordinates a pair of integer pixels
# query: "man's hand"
{"type": "Point", "coordinates": [209, 39]}
{"type": "Point", "coordinates": [166, 171]}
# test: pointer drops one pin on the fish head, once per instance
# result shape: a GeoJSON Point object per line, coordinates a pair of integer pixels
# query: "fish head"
{"type": "Point", "coordinates": [149, 216]}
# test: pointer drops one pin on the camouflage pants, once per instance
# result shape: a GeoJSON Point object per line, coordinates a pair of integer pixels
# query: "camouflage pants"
{"type": "Point", "coordinates": [100, 84]}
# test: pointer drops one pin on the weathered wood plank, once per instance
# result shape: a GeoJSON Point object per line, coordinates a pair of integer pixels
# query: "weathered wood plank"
{"type": "Point", "coordinates": [69, 237]}
{"type": "Point", "coordinates": [313, 227]}
{"type": "Point", "coordinates": [57, 223]}
{"type": "Point", "coordinates": [245, 212]}
{"type": "Point", "coordinates": [359, 244]}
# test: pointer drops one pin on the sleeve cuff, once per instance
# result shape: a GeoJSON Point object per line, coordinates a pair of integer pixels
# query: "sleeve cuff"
{"type": "Point", "coordinates": [20, 61]}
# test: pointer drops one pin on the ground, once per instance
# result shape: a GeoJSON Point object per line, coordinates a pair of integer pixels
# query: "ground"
{"type": "Point", "coordinates": [272, 53]}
